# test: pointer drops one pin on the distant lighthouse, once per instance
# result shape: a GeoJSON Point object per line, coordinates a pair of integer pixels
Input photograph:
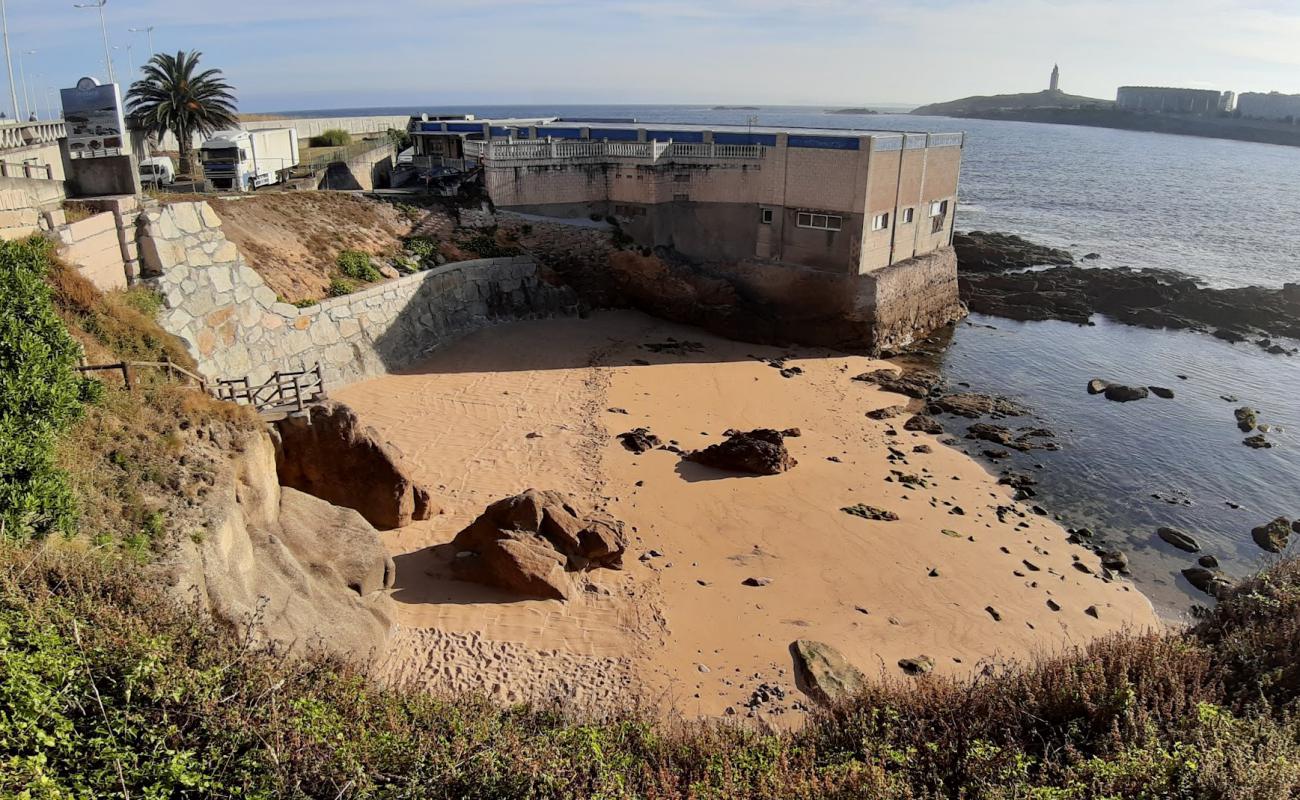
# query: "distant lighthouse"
{"type": "Point", "coordinates": [1055, 85]}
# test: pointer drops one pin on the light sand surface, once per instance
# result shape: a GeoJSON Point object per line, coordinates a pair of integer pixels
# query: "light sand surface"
{"type": "Point", "coordinates": [527, 405]}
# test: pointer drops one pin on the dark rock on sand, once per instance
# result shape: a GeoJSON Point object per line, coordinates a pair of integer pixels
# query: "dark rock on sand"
{"type": "Point", "coordinates": [526, 544]}
{"type": "Point", "coordinates": [823, 673]}
{"type": "Point", "coordinates": [913, 383]}
{"type": "Point", "coordinates": [870, 512]}
{"type": "Point", "coordinates": [1114, 559]}
{"type": "Point", "coordinates": [1273, 536]}
{"type": "Point", "coordinates": [639, 440]}
{"type": "Point", "coordinates": [923, 423]}
{"type": "Point", "coordinates": [756, 582]}
{"type": "Point", "coordinates": [1178, 539]}
{"type": "Point", "coordinates": [920, 665]}
{"type": "Point", "coordinates": [759, 452]}
{"type": "Point", "coordinates": [887, 412]}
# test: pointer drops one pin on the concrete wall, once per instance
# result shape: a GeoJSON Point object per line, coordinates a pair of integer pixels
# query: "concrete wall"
{"type": "Point", "coordinates": [311, 127]}
{"type": "Point", "coordinates": [28, 205]}
{"type": "Point", "coordinates": [96, 177]}
{"type": "Point", "coordinates": [235, 325]}
{"type": "Point", "coordinates": [367, 171]}
{"type": "Point", "coordinates": [93, 248]}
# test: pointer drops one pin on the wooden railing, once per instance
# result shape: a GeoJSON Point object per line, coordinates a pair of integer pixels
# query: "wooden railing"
{"type": "Point", "coordinates": [127, 370]}
{"type": "Point", "coordinates": [285, 392]}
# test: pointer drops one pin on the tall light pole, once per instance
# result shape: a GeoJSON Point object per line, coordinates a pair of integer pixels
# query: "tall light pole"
{"type": "Point", "coordinates": [49, 102]}
{"type": "Point", "coordinates": [149, 31]}
{"type": "Point", "coordinates": [130, 62]}
{"type": "Point", "coordinates": [9, 64]}
{"type": "Point", "coordinates": [22, 78]}
{"type": "Point", "coordinates": [108, 53]}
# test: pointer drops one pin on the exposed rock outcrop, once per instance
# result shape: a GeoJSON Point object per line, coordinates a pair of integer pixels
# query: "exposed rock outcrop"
{"type": "Point", "coordinates": [1273, 536]}
{"type": "Point", "coordinates": [284, 567]}
{"type": "Point", "coordinates": [913, 383]}
{"type": "Point", "coordinates": [979, 251]}
{"type": "Point", "coordinates": [329, 454]}
{"type": "Point", "coordinates": [823, 673]}
{"type": "Point", "coordinates": [759, 452]}
{"type": "Point", "coordinates": [529, 543]}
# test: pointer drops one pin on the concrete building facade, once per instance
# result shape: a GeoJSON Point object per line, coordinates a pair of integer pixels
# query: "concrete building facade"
{"type": "Point", "coordinates": [1269, 105]}
{"type": "Point", "coordinates": [846, 202]}
{"type": "Point", "coordinates": [1171, 100]}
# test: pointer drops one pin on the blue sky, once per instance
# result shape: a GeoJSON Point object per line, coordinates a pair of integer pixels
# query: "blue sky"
{"type": "Point", "coordinates": [299, 54]}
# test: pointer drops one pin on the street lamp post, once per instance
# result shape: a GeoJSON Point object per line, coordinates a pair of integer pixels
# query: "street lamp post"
{"type": "Point", "coordinates": [108, 53]}
{"type": "Point", "coordinates": [130, 62]}
{"type": "Point", "coordinates": [9, 64]}
{"type": "Point", "coordinates": [22, 78]}
{"type": "Point", "coordinates": [149, 31]}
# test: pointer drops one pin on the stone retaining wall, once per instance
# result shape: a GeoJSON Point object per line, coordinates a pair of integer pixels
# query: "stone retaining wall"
{"type": "Point", "coordinates": [235, 325]}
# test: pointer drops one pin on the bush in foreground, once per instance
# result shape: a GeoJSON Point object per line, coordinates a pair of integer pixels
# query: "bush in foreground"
{"type": "Point", "coordinates": [356, 265]}
{"type": "Point", "coordinates": [334, 137]}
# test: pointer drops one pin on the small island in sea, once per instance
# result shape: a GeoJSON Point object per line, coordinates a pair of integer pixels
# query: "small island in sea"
{"type": "Point", "coordinates": [853, 111]}
{"type": "Point", "coordinates": [736, 108]}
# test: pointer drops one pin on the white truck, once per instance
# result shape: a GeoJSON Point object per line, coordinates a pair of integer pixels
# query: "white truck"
{"type": "Point", "coordinates": [246, 160]}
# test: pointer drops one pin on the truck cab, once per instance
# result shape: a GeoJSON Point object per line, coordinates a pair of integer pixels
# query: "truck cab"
{"type": "Point", "coordinates": [246, 160]}
{"type": "Point", "coordinates": [157, 172]}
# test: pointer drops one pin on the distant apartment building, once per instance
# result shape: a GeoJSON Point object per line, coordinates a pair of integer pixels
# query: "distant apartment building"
{"type": "Point", "coordinates": [1170, 100]}
{"type": "Point", "coordinates": [1270, 105]}
{"type": "Point", "coordinates": [838, 201]}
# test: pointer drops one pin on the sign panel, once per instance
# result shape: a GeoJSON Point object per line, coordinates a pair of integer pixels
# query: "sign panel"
{"type": "Point", "coordinates": [93, 113]}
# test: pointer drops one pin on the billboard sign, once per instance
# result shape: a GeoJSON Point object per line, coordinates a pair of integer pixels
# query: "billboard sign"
{"type": "Point", "coordinates": [93, 114]}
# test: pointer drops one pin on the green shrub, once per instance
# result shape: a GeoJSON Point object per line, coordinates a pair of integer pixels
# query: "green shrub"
{"type": "Point", "coordinates": [356, 264]}
{"type": "Point", "coordinates": [40, 394]}
{"type": "Point", "coordinates": [342, 286]}
{"type": "Point", "coordinates": [422, 247]}
{"type": "Point", "coordinates": [334, 137]}
{"type": "Point", "coordinates": [307, 303]}
{"type": "Point", "coordinates": [400, 138]}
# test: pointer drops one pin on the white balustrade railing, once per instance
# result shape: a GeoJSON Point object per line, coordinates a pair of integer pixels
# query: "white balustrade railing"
{"type": "Point", "coordinates": [25, 134]}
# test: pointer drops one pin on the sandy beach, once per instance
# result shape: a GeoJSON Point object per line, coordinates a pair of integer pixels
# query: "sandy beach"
{"type": "Point", "coordinates": [529, 405]}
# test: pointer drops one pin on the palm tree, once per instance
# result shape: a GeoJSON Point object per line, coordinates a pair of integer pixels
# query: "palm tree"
{"type": "Point", "coordinates": [171, 97]}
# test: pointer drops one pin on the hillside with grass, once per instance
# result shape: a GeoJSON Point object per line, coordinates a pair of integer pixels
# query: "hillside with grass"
{"type": "Point", "coordinates": [984, 104]}
{"type": "Point", "coordinates": [111, 689]}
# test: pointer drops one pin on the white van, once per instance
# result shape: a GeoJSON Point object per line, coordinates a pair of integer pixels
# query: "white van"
{"type": "Point", "coordinates": [157, 171]}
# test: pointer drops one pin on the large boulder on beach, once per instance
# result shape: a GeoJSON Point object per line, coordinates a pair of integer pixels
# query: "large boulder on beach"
{"type": "Point", "coordinates": [823, 673]}
{"type": "Point", "coordinates": [329, 454]}
{"type": "Point", "coordinates": [758, 452]}
{"type": "Point", "coordinates": [1273, 536]}
{"type": "Point", "coordinates": [529, 544]}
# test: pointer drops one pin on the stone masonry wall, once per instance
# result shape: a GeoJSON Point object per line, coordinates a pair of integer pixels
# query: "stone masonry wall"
{"type": "Point", "coordinates": [235, 325]}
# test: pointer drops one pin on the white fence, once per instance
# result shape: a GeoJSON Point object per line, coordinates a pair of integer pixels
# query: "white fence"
{"type": "Point", "coordinates": [653, 151]}
{"type": "Point", "coordinates": [24, 134]}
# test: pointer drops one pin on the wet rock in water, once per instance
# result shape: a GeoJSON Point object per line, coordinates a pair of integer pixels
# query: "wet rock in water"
{"type": "Point", "coordinates": [759, 452]}
{"type": "Point", "coordinates": [1125, 394]}
{"type": "Point", "coordinates": [1212, 582]}
{"type": "Point", "coordinates": [972, 406]}
{"type": "Point", "coordinates": [639, 440]}
{"type": "Point", "coordinates": [756, 582]}
{"type": "Point", "coordinates": [980, 251]}
{"type": "Point", "coordinates": [887, 412]}
{"type": "Point", "coordinates": [1178, 539]}
{"type": "Point", "coordinates": [1114, 559]}
{"type": "Point", "coordinates": [921, 665]}
{"type": "Point", "coordinates": [1257, 442]}
{"type": "Point", "coordinates": [1247, 418]}
{"type": "Point", "coordinates": [1208, 561]}
{"type": "Point", "coordinates": [1162, 392]}
{"type": "Point", "coordinates": [823, 673]}
{"type": "Point", "coordinates": [1097, 386]}
{"type": "Point", "coordinates": [1273, 536]}
{"type": "Point", "coordinates": [527, 543]}
{"type": "Point", "coordinates": [913, 383]}
{"type": "Point", "coordinates": [1091, 257]}
{"type": "Point", "coordinates": [1016, 440]}
{"type": "Point", "coordinates": [922, 423]}
{"type": "Point", "coordinates": [1295, 526]}
{"type": "Point", "coordinates": [996, 455]}
{"type": "Point", "coordinates": [1229, 335]}
{"type": "Point", "coordinates": [870, 512]}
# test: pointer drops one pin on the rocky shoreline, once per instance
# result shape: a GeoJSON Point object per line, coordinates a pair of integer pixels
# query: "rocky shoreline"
{"type": "Point", "coordinates": [999, 276]}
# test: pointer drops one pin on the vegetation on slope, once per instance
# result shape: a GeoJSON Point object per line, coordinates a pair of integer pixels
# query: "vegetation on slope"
{"type": "Point", "coordinates": [108, 689]}
{"type": "Point", "coordinates": [978, 104]}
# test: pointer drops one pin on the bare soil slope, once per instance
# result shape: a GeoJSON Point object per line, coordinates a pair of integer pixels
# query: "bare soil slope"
{"type": "Point", "coordinates": [293, 238]}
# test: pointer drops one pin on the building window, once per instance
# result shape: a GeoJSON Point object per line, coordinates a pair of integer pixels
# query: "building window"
{"type": "Point", "coordinates": [821, 222]}
{"type": "Point", "coordinates": [907, 216]}
{"type": "Point", "coordinates": [936, 225]}
{"type": "Point", "coordinates": [765, 216]}
{"type": "Point", "coordinates": [682, 177]}
{"type": "Point", "coordinates": [938, 208]}
{"type": "Point", "coordinates": [681, 197]}
{"type": "Point", "coordinates": [880, 222]}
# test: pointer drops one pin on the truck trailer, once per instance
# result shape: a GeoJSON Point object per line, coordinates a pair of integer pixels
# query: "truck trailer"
{"type": "Point", "coordinates": [245, 160]}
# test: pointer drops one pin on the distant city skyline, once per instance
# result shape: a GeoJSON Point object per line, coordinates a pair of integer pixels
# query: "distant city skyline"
{"type": "Point", "coordinates": [307, 54]}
